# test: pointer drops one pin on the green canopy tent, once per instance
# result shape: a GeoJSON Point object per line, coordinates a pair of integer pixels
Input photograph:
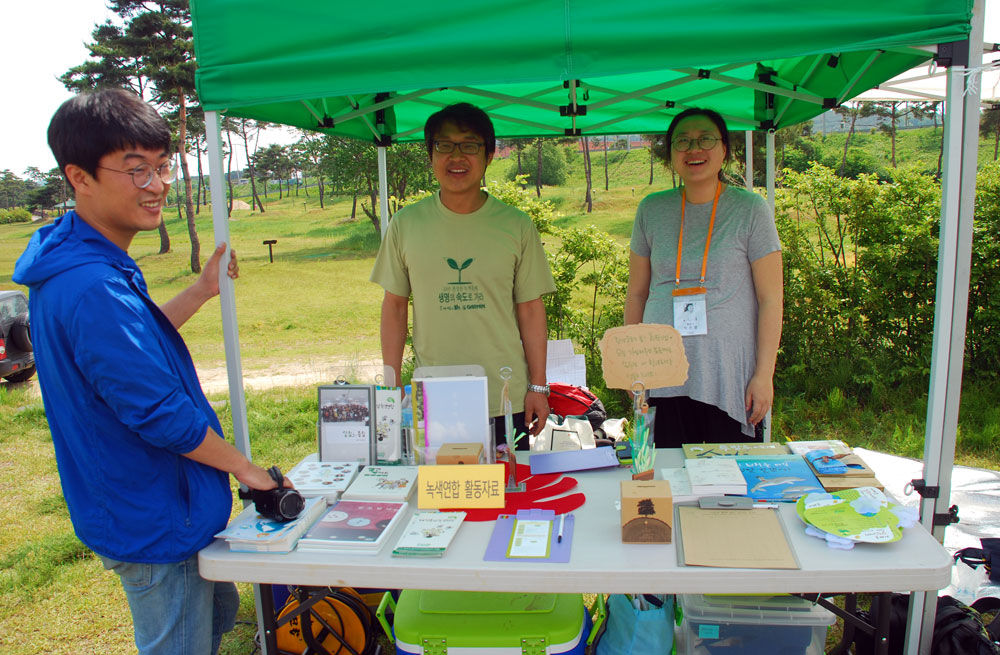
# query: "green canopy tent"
{"type": "Point", "coordinates": [592, 67]}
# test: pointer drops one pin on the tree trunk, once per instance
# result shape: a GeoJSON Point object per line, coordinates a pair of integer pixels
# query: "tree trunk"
{"type": "Point", "coordinates": [538, 172]}
{"type": "Point", "coordinates": [197, 196]}
{"type": "Point", "coordinates": [605, 162]}
{"type": "Point", "coordinates": [996, 142]}
{"type": "Point", "coordinates": [587, 170]}
{"type": "Point", "coordinates": [651, 164]}
{"type": "Point", "coordinates": [321, 192]}
{"type": "Point", "coordinates": [188, 203]}
{"type": "Point", "coordinates": [892, 133]}
{"type": "Point", "coordinates": [254, 198]}
{"type": "Point", "coordinates": [164, 237]}
{"type": "Point", "coordinates": [847, 142]}
{"type": "Point", "coordinates": [354, 205]}
{"type": "Point", "coordinates": [229, 171]}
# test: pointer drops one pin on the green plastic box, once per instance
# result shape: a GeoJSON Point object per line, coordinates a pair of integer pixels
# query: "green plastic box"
{"type": "Point", "coordinates": [467, 622]}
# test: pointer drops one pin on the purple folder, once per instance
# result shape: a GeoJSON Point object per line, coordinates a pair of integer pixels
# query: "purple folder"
{"type": "Point", "coordinates": [573, 460]}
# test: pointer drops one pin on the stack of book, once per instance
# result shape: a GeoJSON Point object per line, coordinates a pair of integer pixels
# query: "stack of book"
{"type": "Point", "coordinates": [702, 450]}
{"type": "Point", "coordinates": [428, 534]}
{"type": "Point", "coordinates": [327, 479]}
{"type": "Point", "coordinates": [715, 476]}
{"type": "Point", "coordinates": [385, 483]}
{"type": "Point", "coordinates": [836, 466]}
{"type": "Point", "coordinates": [250, 532]}
{"type": "Point", "coordinates": [357, 526]}
{"type": "Point", "coordinates": [680, 484]}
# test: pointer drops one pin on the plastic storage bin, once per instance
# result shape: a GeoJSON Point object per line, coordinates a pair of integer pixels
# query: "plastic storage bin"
{"type": "Point", "coordinates": [752, 625]}
{"type": "Point", "coordinates": [487, 623]}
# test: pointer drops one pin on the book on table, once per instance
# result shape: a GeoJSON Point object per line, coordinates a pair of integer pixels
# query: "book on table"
{"type": "Point", "coordinates": [776, 478]}
{"type": "Point", "coordinates": [701, 450]}
{"type": "Point", "coordinates": [355, 526]}
{"type": "Point", "coordinates": [802, 447]}
{"type": "Point", "coordinates": [680, 484]}
{"type": "Point", "coordinates": [716, 476]}
{"type": "Point", "coordinates": [428, 534]}
{"type": "Point", "coordinates": [250, 532]}
{"type": "Point", "coordinates": [329, 479]}
{"type": "Point", "coordinates": [388, 483]}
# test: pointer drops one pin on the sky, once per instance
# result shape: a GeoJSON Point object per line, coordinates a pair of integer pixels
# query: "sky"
{"type": "Point", "coordinates": [36, 51]}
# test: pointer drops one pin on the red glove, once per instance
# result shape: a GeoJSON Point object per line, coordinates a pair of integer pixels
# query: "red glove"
{"type": "Point", "coordinates": [543, 491]}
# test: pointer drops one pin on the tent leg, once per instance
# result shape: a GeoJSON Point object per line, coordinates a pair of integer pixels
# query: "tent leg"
{"type": "Point", "coordinates": [958, 195]}
{"type": "Point", "coordinates": [749, 159]}
{"type": "Point", "coordinates": [227, 296]}
{"type": "Point", "coordinates": [770, 201]}
{"type": "Point", "coordinates": [383, 190]}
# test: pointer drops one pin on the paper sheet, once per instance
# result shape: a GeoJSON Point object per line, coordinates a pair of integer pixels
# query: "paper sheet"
{"type": "Point", "coordinates": [745, 538]}
{"type": "Point", "coordinates": [530, 539]}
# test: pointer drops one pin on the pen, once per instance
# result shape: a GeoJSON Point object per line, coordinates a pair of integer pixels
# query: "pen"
{"type": "Point", "coordinates": [562, 522]}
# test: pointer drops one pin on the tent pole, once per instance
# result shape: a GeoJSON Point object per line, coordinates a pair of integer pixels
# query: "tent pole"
{"type": "Point", "coordinates": [770, 201]}
{"type": "Point", "coordinates": [230, 331]}
{"type": "Point", "coordinates": [749, 159]}
{"type": "Point", "coordinates": [958, 195]}
{"type": "Point", "coordinates": [383, 190]}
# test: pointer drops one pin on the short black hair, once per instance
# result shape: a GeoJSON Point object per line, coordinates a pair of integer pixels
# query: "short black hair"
{"type": "Point", "coordinates": [464, 116]}
{"type": "Point", "coordinates": [714, 116]}
{"type": "Point", "coordinates": [92, 124]}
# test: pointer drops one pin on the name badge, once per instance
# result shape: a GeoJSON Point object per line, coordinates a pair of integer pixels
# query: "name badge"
{"type": "Point", "coordinates": [690, 311]}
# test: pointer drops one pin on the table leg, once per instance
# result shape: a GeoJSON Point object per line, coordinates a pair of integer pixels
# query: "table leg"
{"type": "Point", "coordinates": [882, 615]}
{"type": "Point", "coordinates": [270, 635]}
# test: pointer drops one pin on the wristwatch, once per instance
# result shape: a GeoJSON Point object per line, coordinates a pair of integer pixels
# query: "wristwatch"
{"type": "Point", "coordinates": [539, 388]}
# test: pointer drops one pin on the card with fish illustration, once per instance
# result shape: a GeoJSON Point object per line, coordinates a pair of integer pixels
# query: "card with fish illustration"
{"type": "Point", "coordinates": [778, 477]}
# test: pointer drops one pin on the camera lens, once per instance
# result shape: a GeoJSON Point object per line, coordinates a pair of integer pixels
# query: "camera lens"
{"type": "Point", "coordinates": [290, 504]}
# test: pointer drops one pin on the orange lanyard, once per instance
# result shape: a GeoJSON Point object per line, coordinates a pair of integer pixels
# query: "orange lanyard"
{"type": "Point", "coordinates": [708, 239]}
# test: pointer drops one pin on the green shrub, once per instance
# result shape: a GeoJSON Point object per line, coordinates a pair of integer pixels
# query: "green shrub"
{"type": "Point", "coordinates": [14, 215]}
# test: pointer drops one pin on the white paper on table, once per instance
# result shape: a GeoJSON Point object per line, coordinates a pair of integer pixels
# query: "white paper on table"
{"type": "Point", "coordinates": [530, 539]}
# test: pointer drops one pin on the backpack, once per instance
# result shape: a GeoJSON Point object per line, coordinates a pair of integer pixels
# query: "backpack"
{"type": "Point", "coordinates": [958, 628]}
{"type": "Point", "coordinates": [568, 400]}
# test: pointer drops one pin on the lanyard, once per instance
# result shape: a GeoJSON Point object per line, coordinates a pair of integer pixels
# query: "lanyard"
{"type": "Point", "coordinates": [708, 239]}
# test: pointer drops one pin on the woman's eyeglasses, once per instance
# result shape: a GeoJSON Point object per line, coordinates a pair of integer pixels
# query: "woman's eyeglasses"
{"type": "Point", "coordinates": [704, 142]}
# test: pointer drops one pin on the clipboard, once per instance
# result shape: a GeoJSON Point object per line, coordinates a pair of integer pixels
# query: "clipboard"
{"type": "Point", "coordinates": [769, 549]}
{"type": "Point", "coordinates": [559, 551]}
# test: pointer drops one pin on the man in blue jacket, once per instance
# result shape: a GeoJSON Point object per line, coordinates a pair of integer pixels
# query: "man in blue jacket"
{"type": "Point", "coordinates": [143, 467]}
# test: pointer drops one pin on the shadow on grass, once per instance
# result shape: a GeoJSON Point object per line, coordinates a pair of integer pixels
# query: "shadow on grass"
{"type": "Point", "coordinates": [37, 563]}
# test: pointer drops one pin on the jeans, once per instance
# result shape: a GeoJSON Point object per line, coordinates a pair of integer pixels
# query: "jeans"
{"type": "Point", "coordinates": [174, 610]}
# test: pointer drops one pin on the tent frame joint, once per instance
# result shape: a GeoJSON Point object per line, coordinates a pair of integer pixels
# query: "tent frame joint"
{"type": "Point", "coordinates": [572, 110]}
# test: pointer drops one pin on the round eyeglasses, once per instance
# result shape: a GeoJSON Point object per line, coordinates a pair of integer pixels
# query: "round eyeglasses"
{"type": "Point", "coordinates": [704, 142]}
{"type": "Point", "coordinates": [142, 175]}
{"type": "Point", "coordinates": [465, 147]}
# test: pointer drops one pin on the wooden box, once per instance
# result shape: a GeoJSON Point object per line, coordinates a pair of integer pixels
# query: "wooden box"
{"type": "Point", "coordinates": [461, 453]}
{"type": "Point", "coordinates": [647, 512]}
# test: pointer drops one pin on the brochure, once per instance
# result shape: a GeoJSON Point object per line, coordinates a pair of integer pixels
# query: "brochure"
{"type": "Point", "coordinates": [715, 476]}
{"type": "Point", "coordinates": [699, 450]}
{"type": "Point", "coordinates": [345, 424]}
{"type": "Point", "coordinates": [388, 483]}
{"type": "Point", "coordinates": [388, 420]}
{"type": "Point", "coordinates": [428, 534]}
{"type": "Point", "coordinates": [250, 532]}
{"type": "Point", "coordinates": [778, 477]}
{"type": "Point", "coordinates": [353, 525]}
{"type": "Point", "coordinates": [329, 479]}
{"type": "Point", "coordinates": [863, 515]}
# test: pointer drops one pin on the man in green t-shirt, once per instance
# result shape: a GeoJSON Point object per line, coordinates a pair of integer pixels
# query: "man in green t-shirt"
{"type": "Point", "coordinates": [476, 270]}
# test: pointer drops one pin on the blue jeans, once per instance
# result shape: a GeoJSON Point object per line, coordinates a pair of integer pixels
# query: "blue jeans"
{"type": "Point", "coordinates": [174, 610]}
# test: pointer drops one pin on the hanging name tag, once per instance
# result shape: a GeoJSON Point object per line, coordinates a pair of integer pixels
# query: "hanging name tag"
{"type": "Point", "coordinates": [690, 311]}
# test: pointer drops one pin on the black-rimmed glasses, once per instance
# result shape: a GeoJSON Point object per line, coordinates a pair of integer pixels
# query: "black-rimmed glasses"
{"type": "Point", "coordinates": [465, 147]}
{"type": "Point", "coordinates": [142, 175]}
{"type": "Point", "coordinates": [704, 142]}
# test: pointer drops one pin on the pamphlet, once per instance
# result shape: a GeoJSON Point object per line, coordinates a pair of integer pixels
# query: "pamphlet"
{"type": "Point", "coordinates": [428, 534]}
{"type": "Point", "coordinates": [863, 514]}
{"type": "Point", "coordinates": [530, 538]}
{"type": "Point", "coordinates": [388, 420]}
{"type": "Point", "coordinates": [699, 450]}
{"type": "Point", "coordinates": [353, 525]}
{"type": "Point", "coordinates": [329, 479]}
{"type": "Point", "coordinates": [778, 477]}
{"type": "Point", "coordinates": [251, 532]}
{"type": "Point", "coordinates": [715, 476]}
{"type": "Point", "coordinates": [390, 483]}
{"type": "Point", "coordinates": [345, 423]}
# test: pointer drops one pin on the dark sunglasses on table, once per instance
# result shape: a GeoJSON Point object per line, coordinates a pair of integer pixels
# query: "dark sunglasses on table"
{"type": "Point", "coordinates": [142, 175]}
{"type": "Point", "coordinates": [704, 142]}
{"type": "Point", "coordinates": [465, 147]}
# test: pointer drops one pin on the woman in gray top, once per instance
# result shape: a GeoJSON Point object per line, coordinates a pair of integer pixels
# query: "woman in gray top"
{"type": "Point", "coordinates": [724, 295]}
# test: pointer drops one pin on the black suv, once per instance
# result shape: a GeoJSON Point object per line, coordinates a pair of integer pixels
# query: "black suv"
{"type": "Point", "coordinates": [17, 357]}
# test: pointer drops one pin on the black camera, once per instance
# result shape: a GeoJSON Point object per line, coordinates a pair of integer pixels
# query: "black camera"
{"type": "Point", "coordinates": [281, 504]}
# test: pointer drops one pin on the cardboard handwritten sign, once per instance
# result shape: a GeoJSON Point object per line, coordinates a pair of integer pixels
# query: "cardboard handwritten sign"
{"type": "Point", "coordinates": [460, 486]}
{"type": "Point", "coordinates": [647, 353]}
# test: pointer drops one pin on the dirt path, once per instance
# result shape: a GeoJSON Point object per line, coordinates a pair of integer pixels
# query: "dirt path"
{"type": "Point", "coordinates": [290, 374]}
